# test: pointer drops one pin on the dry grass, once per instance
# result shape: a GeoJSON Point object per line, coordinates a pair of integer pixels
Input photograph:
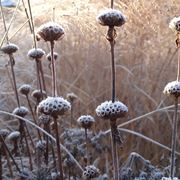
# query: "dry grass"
{"type": "Point", "coordinates": [145, 57]}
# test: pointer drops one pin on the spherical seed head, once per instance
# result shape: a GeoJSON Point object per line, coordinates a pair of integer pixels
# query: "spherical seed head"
{"type": "Point", "coordinates": [55, 56]}
{"type": "Point", "coordinates": [90, 172]}
{"type": "Point", "coordinates": [71, 96]}
{"type": "Point", "coordinates": [21, 111]}
{"type": "Point", "coordinates": [111, 18]}
{"type": "Point", "coordinates": [172, 89]}
{"type": "Point", "coordinates": [175, 24]}
{"type": "Point", "coordinates": [54, 106]}
{"type": "Point", "coordinates": [13, 136]}
{"type": "Point", "coordinates": [41, 145]}
{"type": "Point", "coordinates": [25, 89]}
{"type": "Point", "coordinates": [9, 48]}
{"type": "Point", "coordinates": [35, 53]}
{"type": "Point", "coordinates": [4, 132]}
{"type": "Point", "coordinates": [37, 94]}
{"type": "Point", "coordinates": [44, 119]}
{"type": "Point", "coordinates": [50, 31]}
{"type": "Point", "coordinates": [86, 121]}
{"type": "Point", "coordinates": [111, 110]}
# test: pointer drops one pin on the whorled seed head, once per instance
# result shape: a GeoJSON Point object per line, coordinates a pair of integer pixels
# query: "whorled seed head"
{"type": "Point", "coordinates": [44, 119]}
{"type": "Point", "coordinates": [111, 110]}
{"type": "Point", "coordinates": [35, 53]}
{"type": "Point", "coordinates": [13, 136]}
{"type": "Point", "coordinates": [172, 89]}
{"type": "Point", "coordinates": [4, 132]}
{"type": "Point", "coordinates": [111, 18]}
{"type": "Point", "coordinates": [50, 31]}
{"type": "Point", "coordinates": [41, 145]}
{"type": "Point", "coordinates": [90, 172]}
{"type": "Point", "coordinates": [71, 96]}
{"type": "Point", "coordinates": [9, 48]}
{"type": "Point", "coordinates": [21, 111]}
{"type": "Point", "coordinates": [54, 106]}
{"type": "Point", "coordinates": [25, 89]}
{"type": "Point", "coordinates": [86, 121]}
{"type": "Point", "coordinates": [56, 55]}
{"type": "Point", "coordinates": [37, 94]}
{"type": "Point", "coordinates": [175, 24]}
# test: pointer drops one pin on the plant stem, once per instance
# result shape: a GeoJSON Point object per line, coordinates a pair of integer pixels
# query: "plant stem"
{"type": "Point", "coordinates": [178, 71]}
{"type": "Point", "coordinates": [112, 3]}
{"type": "Point", "coordinates": [38, 76]}
{"type": "Point", "coordinates": [54, 87]}
{"type": "Point", "coordinates": [86, 138]}
{"type": "Point", "coordinates": [173, 145]}
{"type": "Point", "coordinates": [58, 148]}
{"type": "Point", "coordinates": [114, 149]}
{"type": "Point", "coordinates": [71, 114]}
{"type": "Point", "coordinates": [42, 76]}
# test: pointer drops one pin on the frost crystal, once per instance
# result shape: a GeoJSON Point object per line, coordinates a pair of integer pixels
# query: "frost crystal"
{"type": "Point", "coordinates": [111, 110]}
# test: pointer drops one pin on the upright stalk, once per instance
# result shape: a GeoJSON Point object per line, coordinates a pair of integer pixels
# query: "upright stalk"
{"type": "Point", "coordinates": [178, 45]}
{"type": "Point", "coordinates": [173, 145]}
{"type": "Point", "coordinates": [87, 156]}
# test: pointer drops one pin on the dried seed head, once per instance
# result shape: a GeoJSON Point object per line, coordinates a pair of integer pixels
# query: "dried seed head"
{"type": "Point", "coordinates": [172, 89]}
{"type": "Point", "coordinates": [44, 119]}
{"type": "Point", "coordinates": [35, 53]}
{"type": "Point", "coordinates": [4, 132]}
{"type": "Point", "coordinates": [86, 121]}
{"type": "Point", "coordinates": [41, 145]}
{"type": "Point", "coordinates": [111, 110]}
{"type": "Point", "coordinates": [9, 48]}
{"type": "Point", "coordinates": [50, 32]}
{"type": "Point", "coordinates": [55, 175]}
{"type": "Point", "coordinates": [37, 94]}
{"type": "Point", "coordinates": [69, 162]}
{"type": "Point", "coordinates": [71, 97]}
{"type": "Point", "coordinates": [111, 18]}
{"type": "Point", "coordinates": [13, 136]}
{"type": "Point", "coordinates": [175, 24]}
{"type": "Point", "coordinates": [21, 111]}
{"type": "Point", "coordinates": [25, 89]}
{"type": "Point", "coordinates": [55, 56]}
{"type": "Point", "coordinates": [90, 172]}
{"type": "Point", "coordinates": [54, 106]}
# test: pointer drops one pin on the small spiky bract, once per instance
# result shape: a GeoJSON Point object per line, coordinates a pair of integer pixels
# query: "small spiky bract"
{"type": "Point", "coordinates": [86, 121]}
{"type": "Point", "coordinates": [13, 135]}
{"type": "Point", "coordinates": [21, 111]}
{"type": "Point", "coordinates": [71, 96]}
{"type": "Point", "coordinates": [111, 110]}
{"type": "Point", "coordinates": [25, 89]}
{"type": "Point", "coordinates": [50, 31]}
{"type": "Point", "coordinates": [175, 24]}
{"type": "Point", "coordinates": [56, 55]}
{"type": "Point", "coordinates": [4, 132]}
{"type": "Point", "coordinates": [90, 172]}
{"type": "Point", "coordinates": [41, 145]}
{"type": "Point", "coordinates": [35, 53]}
{"type": "Point", "coordinates": [54, 106]}
{"type": "Point", "coordinates": [111, 18]}
{"type": "Point", "coordinates": [172, 89]}
{"type": "Point", "coordinates": [9, 48]}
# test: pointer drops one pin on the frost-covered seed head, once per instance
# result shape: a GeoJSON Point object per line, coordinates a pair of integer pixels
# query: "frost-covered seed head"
{"type": "Point", "coordinates": [13, 136]}
{"type": "Point", "coordinates": [4, 132]}
{"type": "Point", "coordinates": [9, 48]}
{"type": "Point", "coordinates": [172, 89]}
{"type": "Point", "coordinates": [55, 56]}
{"type": "Point", "coordinates": [90, 172]}
{"type": "Point", "coordinates": [25, 89]}
{"type": "Point", "coordinates": [69, 162]}
{"type": "Point", "coordinates": [41, 145]}
{"type": "Point", "coordinates": [111, 18]}
{"type": "Point", "coordinates": [175, 24]}
{"type": "Point", "coordinates": [21, 111]}
{"type": "Point", "coordinates": [37, 94]}
{"type": "Point", "coordinates": [54, 106]}
{"type": "Point", "coordinates": [44, 119]}
{"type": "Point", "coordinates": [111, 110]}
{"type": "Point", "coordinates": [35, 53]}
{"type": "Point", "coordinates": [55, 175]}
{"type": "Point", "coordinates": [86, 121]}
{"type": "Point", "coordinates": [71, 96]}
{"type": "Point", "coordinates": [50, 31]}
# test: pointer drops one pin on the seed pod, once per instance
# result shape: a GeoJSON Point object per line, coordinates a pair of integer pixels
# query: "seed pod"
{"type": "Point", "coordinates": [86, 121]}
{"type": "Point", "coordinates": [4, 133]}
{"type": "Point", "coordinates": [111, 110]}
{"type": "Point", "coordinates": [9, 48]}
{"type": "Point", "coordinates": [41, 145]}
{"type": "Point", "coordinates": [175, 24]}
{"type": "Point", "coordinates": [35, 53]}
{"type": "Point", "coordinates": [111, 18]}
{"type": "Point", "coordinates": [50, 31]}
{"type": "Point", "coordinates": [56, 55]}
{"type": "Point", "coordinates": [25, 89]}
{"type": "Point", "coordinates": [71, 97]}
{"type": "Point", "coordinates": [172, 89]}
{"type": "Point", "coordinates": [36, 94]}
{"type": "Point", "coordinates": [13, 136]}
{"type": "Point", "coordinates": [21, 111]}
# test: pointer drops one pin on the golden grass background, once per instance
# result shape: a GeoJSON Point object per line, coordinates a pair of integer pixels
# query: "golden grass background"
{"type": "Point", "coordinates": [146, 60]}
